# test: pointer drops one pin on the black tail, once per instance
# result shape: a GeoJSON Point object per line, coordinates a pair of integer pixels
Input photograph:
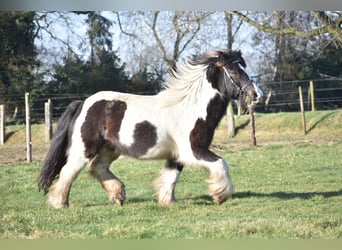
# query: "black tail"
{"type": "Point", "coordinates": [56, 156]}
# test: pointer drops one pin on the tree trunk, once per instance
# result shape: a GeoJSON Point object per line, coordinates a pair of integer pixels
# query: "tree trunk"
{"type": "Point", "coordinates": [230, 120]}
{"type": "Point", "coordinates": [230, 39]}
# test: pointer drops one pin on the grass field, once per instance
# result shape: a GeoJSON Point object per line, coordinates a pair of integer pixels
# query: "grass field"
{"type": "Point", "coordinates": [288, 187]}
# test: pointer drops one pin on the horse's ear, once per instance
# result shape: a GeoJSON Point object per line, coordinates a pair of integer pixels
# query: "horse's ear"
{"type": "Point", "coordinates": [221, 61]}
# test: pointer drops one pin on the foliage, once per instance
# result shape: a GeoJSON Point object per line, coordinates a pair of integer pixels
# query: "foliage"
{"type": "Point", "coordinates": [17, 57]}
{"type": "Point", "coordinates": [144, 82]}
{"type": "Point", "coordinates": [329, 63]}
{"type": "Point", "coordinates": [74, 76]}
{"type": "Point", "coordinates": [99, 35]}
{"type": "Point", "coordinates": [84, 77]}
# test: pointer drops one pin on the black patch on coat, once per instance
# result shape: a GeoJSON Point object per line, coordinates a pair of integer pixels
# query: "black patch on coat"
{"type": "Point", "coordinates": [115, 111]}
{"type": "Point", "coordinates": [202, 134]}
{"type": "Point", "coordinates": [145, 137]}
{"type": "Point", "coordinates": [102, 125]}
{"type": "Point", "coordinates": [172, 164]}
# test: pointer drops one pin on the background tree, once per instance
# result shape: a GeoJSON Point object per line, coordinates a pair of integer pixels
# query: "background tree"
{"type": "Point", "coordinates": [100, 38]}
{"type": "Point", "coordinates": [295, 42]}
{"type": "Point", "coordinates": [132, 51]}
{"type": "Point", "coordinates": [172, 33]}
{"type": "Point", "coordinates": [232, 31]}
{"type": "Point", "coordinates": [17, 57]}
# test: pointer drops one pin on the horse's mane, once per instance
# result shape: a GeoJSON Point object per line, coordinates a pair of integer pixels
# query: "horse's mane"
{"type": "Point", "coordinates": [185, 83]}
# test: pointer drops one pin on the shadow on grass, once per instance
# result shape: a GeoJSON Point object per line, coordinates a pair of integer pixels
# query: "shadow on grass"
{"type": "Point", "coordinates": [139, 200]}
{"type": "Point", "coordinates": [319, 121]}
{"type": "Point", "coordinates": [9, 135]}
{"type": "Point", "coordinates": [208, 200]}
{"type": "Point", "coordinates": [288, 196]}
{"type": "Point", "coordinates": [241, 126]}
{"type": "Point", "coordinates": [199, 200]}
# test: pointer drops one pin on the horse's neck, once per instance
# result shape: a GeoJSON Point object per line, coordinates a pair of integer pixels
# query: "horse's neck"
{"type": "Point", "coordinates": [215, 111]}
{"type": "Point", "coordinates": [206, 105]}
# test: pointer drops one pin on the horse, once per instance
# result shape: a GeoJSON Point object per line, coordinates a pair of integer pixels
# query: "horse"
{"type": "Point", "coordinates": [176, 125]}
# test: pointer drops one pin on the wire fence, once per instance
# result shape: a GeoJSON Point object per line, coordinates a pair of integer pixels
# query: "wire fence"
{"type": "Point", "coordinates": [278, 97]}
{"type": "Point", "coordinates": [284, 96]}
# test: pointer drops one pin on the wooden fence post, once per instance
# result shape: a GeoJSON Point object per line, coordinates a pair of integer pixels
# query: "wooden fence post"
{"type": "Point", "coordinates": [302, 109]}
{"type": "Point", "coordinates": [2, 125]}
{"type": "Point", "coordinates": [312, 94]}
{"type": "Point", "coordinates": [28, 129]}
{"type": "Point", "coordinates": [252, 123]}
{"type": "Point", "coordinates": [48, 120]}
{"type": "Point", "coordinates": [230, 120]}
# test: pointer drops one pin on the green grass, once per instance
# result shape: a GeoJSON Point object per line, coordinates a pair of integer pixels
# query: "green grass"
{"type": "Point", "coordinates": [284, 128]}
{"type": "Point", "coordinates": [285, 189]}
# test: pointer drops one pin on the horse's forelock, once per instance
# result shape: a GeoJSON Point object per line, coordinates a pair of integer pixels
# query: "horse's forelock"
{"type": "Point", "coordinates": [213, 53]}
{"type": "Point", "coordinates": [208, 57]}
{"type": "Point", "coordinates": [220, 58]}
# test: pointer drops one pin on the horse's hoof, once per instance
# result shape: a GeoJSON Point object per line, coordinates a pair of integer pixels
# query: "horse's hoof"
{"type": "Point", "coordinates": [119, 198]}
{"type": "Point", "coordinates": [120, 202]}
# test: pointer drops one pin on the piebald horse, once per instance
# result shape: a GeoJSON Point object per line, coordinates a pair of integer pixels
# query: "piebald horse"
{"type": "Point", "coordinates": [176, 125]}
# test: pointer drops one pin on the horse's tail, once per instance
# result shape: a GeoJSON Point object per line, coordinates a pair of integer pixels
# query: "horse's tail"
{"type": "Point", "coordinates": [57, 156]}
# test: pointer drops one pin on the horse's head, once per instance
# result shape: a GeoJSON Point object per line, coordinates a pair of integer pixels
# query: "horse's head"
{"type": "Point", "coordinates": [228, 70]}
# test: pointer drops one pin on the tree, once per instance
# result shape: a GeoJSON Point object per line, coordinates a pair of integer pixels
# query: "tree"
{"type": "Point", "coordinates": [144, 82]}
{"type": "Point", "coordinates": [324, 23]}
{"type": "Point", "coordinates": [100, 38]}
{"type": "Point", "coordinates": [17, 52]}
{"type": "Point", "coordinates": [171, 32]}
{"type": "Point", "coordinates": [295, 42]}
{"type": "Point", "coordinates": [298, 35]}
{"type": "Point", "coordinates": [329, 63]}
{"type": "Point", "coordinates": [231, 33]}
{"type": "Point", "coordinates": [75, 76]}
{"type": "Point", "coordinates": [17, 56]}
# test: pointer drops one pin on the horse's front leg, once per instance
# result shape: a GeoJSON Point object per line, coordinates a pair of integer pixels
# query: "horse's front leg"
{"type": "Point", "coordinates": [219, 182]}
{"type": "Point", "coordinates": [165, 184]}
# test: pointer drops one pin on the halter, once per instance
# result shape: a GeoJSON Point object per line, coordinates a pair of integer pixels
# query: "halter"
{"type": "Point", "coordinates": [244, 87]}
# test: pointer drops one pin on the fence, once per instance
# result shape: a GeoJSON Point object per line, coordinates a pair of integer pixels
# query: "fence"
{"type": "Point", "coordinates": [323, 94]}
{"type": "Point", "coordinates": [281, 96]}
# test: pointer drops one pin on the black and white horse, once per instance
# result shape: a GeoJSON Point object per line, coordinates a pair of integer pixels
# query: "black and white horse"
{"type": "Point", "coordinates": [176, 125]}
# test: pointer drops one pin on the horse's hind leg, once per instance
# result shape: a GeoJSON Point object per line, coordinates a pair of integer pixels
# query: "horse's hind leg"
{"type": "Point", "coordinates": [165, 184]}
{"type": "Point", "coordinates": [59, 192]}
{"type": "Point", "coordinates": [99, 168]}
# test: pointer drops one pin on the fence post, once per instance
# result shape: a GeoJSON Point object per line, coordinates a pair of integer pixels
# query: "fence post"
{"type": "Point", "coordinates": [2, 125]}
{"type": "Point", "coordinates": [302, 109]}
{"type": "Point", "coordinates": [312, 94]}
{"type": "Point", "coordinates": [28, 129]}
{"type": "Point", "coordinates": [252, 123]}
{"type": "Point", "coordinates": [48, 120]}
{"type": "Point", "coordinates": [230, 120]}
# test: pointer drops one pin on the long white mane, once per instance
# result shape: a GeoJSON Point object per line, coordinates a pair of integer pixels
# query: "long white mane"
{"type": "Point", "coordinates": [184, 84]}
